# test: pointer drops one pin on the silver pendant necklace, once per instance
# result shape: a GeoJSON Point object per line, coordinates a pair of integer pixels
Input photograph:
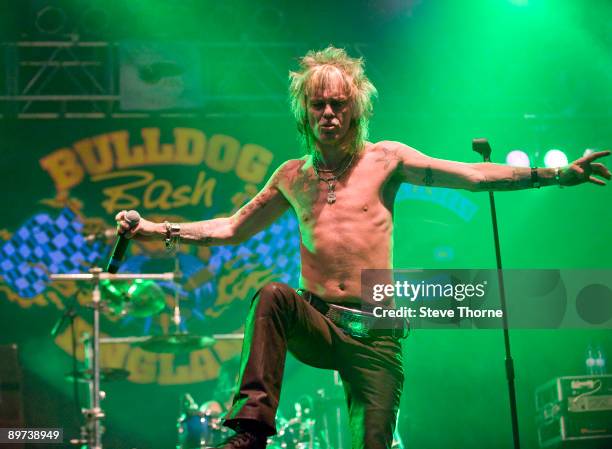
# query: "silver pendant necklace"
{"type": "Point", "coordinates": [331, 180]}
{"type": "Point", "coordinates": [331, 191]}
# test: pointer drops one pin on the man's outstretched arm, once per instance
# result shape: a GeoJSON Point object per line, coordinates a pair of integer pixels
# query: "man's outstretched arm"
{"type": "Point", "coordinates": [257, 214]}
{"type": "Point", "coordinates": [417, 168]}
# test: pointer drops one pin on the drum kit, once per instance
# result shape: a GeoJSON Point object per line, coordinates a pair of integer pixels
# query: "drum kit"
{"type": "Point", "coordinates": [136, 295]}
{"type": "Point", "coordinates": [319, 423]}
{"type": "Point", "coordinates": [200, 427]}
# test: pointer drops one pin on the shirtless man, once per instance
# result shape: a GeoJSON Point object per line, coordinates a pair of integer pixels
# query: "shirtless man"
{"type": "Point", "coordinates": [342, 191]}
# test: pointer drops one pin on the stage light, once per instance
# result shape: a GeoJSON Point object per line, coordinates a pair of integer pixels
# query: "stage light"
{"type": "Point", "coordinates": [555, 158]}
{"type": "Point", "coordinates": [50, 20]}
{"type": "Point", "coordinates": [518, 158]}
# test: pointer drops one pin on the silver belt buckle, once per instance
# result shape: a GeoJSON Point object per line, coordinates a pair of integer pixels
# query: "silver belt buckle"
{"type": "Point", "coordinates": [353, 322]}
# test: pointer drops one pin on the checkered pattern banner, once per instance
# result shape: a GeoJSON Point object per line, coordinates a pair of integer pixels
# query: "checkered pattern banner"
{"type": "Point", "coordinates": [276, 248]}
{"type": "Point", "coordinates": [43, 245]}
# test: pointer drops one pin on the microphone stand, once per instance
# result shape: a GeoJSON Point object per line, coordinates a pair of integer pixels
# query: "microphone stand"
{"type": "Point", "coordinates": [482, 147]}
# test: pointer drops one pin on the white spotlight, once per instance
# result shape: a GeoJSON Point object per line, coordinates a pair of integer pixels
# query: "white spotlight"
{"type": "Point", "coordinates": [555, 158]}
{"type": "Point", "coordinates": [518, 158]}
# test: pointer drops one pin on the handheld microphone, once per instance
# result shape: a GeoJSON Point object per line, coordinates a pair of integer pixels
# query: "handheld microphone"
{"type": "Point", "coordinates": [133, 218]}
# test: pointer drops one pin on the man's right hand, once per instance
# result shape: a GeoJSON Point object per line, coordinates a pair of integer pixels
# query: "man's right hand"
{"type": "Point", "coordinates": [145, 230]}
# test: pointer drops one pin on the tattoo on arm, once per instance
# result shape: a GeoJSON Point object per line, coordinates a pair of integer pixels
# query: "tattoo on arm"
{"type": "Point", "coordinates": [217, 230]}
{"type": "Point", "coordinates": [257, 203]}
{"type": "Point", "coordinates": [428, 179]}
{"type": "Point", "coordinates": [388, 157]}
{"type": "Point", "coordinates": [520, 179]}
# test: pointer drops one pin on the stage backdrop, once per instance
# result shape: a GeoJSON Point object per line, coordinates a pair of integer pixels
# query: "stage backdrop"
{"type": "Point", "coordinates": [64, 183]}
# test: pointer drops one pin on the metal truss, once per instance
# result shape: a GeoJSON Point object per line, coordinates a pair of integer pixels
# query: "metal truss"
{"type": "Point", "coordinates": [62, 79]}
{"type": "Point", "coordinates": [80, 80]}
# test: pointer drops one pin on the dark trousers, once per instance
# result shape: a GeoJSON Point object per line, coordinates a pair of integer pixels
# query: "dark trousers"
{"type": "Point", "coordinates": [370, 368]}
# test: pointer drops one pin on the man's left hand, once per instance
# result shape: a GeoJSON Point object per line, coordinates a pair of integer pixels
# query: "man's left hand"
{"type": "Point", "coordinates": [583, 170]}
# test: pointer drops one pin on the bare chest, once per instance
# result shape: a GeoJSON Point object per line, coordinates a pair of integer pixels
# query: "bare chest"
{"type": "Point", "coordinates": [366, 189]}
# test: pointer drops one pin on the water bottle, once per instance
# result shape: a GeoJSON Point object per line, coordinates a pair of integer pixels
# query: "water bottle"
{"type": "Point", "coordinates": [600, 361]}
{"type": "Point", "coordinates": [589, 361]}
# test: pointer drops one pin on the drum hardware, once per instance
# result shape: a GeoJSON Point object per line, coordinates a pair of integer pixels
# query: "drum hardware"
{"type": "Point", "coordinates": [176, 343]}
{"type": "Point", "coordinates": [331, 419]}
{"type": "Point", "coordinates": [91, 432]}
{"type": "Point", "coordinates": [106, 375]}
{"type": "Point", "coordinates": [143, 298]}
{"type": "Point", "coordinates": [70, 315]}
{"type": "Point", "coordinates": [199, 427]}
{"type": "Point", "coordinates": [172, 343]}
{"type": "Point", "coordinates": [297, 432]}
{"type": "Point", "coordinates": [180, 341]}
{"type": "Point", "coordinates": [99, 234]}
{"type": "Point", "coordinates": [140, 298]}
{"type": "Point", "coordinates": [202, 426]}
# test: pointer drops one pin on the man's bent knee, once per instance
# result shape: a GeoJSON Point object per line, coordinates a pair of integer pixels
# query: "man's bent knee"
{"type": "Point", "coordinates": [273, 296]}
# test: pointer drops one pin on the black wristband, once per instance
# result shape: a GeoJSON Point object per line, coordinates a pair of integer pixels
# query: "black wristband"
{"type": "Point", "coordinates": [535, 180]}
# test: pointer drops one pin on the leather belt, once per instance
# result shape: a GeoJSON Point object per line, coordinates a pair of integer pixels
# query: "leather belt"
{"type": "Point", "coordinates": [355, 322]}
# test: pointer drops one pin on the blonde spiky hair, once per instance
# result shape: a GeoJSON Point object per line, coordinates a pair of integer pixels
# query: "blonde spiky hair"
{"type": "Point", "coordinates": [317, 69]}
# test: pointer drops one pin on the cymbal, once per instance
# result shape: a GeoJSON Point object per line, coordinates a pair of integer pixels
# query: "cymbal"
{"type": "Point", "coordinates": [176, 343]}
{"type": "Point", "coordinates": [139, 298]}
{"type": "Point", "coordinates": [106, 375]}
